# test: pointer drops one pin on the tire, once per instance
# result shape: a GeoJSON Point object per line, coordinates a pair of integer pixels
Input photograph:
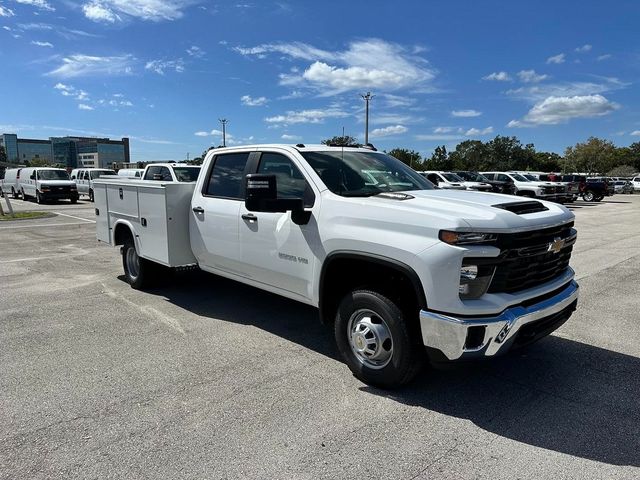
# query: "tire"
{"type": "Point", "coordinates": [588, 196]}
{"type": "Point", "coordinates": [73, 199]}
{"type": "Point", "coordinates": [91, 199]}
{"type": "Point", "coordinates": [598, 198]}
{"type": "Point", "coordinates": [38, 198]}
{"type": "Point", "coordinates": [14, 194]}
{"type": "Point", "coordinates": [138, 272]}
{"type": "Point", "coordinates": [24, 196]}
{"type": "Point", "coordinates": [375, 340]}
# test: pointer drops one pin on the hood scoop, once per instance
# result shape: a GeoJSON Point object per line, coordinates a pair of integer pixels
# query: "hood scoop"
{"type": "Point", "coordinates": [522, 208]}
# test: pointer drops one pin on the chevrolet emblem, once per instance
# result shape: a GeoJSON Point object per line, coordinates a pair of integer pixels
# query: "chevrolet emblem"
{"type": "Point", "coordinates": [556, 245]}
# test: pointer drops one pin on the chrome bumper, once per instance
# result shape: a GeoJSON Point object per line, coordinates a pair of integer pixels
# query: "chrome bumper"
{"type": "Point", "coordinates": [496, 334]}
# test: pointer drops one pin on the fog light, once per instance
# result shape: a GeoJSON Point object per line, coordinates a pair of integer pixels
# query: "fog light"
{"type": "Point", "coordinates": [474, 280]}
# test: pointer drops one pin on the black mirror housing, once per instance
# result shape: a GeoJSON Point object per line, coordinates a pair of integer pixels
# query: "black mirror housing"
{"type": "Point", "coordinates": [261, 195]}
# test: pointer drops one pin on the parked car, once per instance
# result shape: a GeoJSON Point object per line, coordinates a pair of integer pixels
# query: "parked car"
{"type": "Point", "coordinates": [560, 189]}
{"type": "Point", "coordinates": [572, 189]}
{"type": "Point", "coordinates": [445, 180]}
{"type": "Point", "coordinates": [46, 184]}
{"type": "Point", "coordinates": [608, 182]}
{"type": "Point", "coordinates": [131, 172]}
{"type": "Point", "coordinates": [475, 181]}
{"type": "Point", "coordinates": [622, 186]}
{"type": "Point", "coordinates": [524, 186]}
{"type": "Point", "coordinates": [171, 172]}
{"type": "Point", "coordinates": [396, 270]}
{"type": "Point", "coordinates": [84, 178]}
{"type": "Point", "coordinates": [591, 191]}
{"type": "Point", "coordinates": [10, 183]}
{"type": "Point", "coordinates": [635, 182]}
{"type": "Point", "coordinates": [503, 184]}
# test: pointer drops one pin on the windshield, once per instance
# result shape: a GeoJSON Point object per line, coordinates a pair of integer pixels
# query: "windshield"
{"type": "Point", "coordinates": [519, 177]}
{"type": "Point", "coordinates": [52, 175]}
{"type": "Point", "coordinates": [100, 173]}
{"type": "Point", "coordinates": [531, 177]}
{"type": "Point", "coordinates": [362, 174]}
{"type": "Point", "coordinates": [472, 176]}
{"type": "Point", "coordinates": [452, 177]}
{"type": "Point", "coordinates": [186, 174]}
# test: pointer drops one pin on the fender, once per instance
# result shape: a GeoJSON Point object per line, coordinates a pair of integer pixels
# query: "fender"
{"type": "Point", "coordinates": [377, 259]}
{"type": "Point", "coordinates": [129, 225]}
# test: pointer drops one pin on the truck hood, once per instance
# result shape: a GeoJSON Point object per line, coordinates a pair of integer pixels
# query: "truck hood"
{"type": "Point", "coordinates": [473, 210]}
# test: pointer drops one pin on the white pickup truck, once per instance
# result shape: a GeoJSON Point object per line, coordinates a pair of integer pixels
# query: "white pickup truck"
{"type": "Point", "coordinates": [403, 271]}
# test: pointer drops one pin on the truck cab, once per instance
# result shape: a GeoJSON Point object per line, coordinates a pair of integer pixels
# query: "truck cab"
{"type": "Point", "coordinates": [171, 172]}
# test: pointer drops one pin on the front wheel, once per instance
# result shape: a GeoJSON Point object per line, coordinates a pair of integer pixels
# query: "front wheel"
{"type": "Point", "coordinates": [588, 196]}
{"type": "Point", "coordinates": [38, 198]}
{"type": "Point", "coordinates": [24, 196]}
{"type": "Point", "coordinates": [138, 271]}
{"type": "Point", "coordinates": [374, 338]}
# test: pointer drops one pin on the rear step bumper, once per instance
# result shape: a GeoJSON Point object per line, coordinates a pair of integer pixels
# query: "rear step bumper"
{"type": "Point", "coordinates": [464, 338]}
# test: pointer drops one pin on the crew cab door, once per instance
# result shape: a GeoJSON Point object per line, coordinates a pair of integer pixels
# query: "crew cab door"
{"type": "Point", "coordinates": [274, 250]}
{"type": "Point", "coordinates": [215, 213]}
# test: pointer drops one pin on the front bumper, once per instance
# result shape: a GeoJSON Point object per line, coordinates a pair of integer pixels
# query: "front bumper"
{"type": "Point", "coordinates": [459, 338]}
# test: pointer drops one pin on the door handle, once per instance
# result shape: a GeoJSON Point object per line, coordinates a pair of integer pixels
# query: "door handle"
{"type": "Point", "coordinates": [250, 217]}
{"type": "Point", "coordinates": [198, 209]}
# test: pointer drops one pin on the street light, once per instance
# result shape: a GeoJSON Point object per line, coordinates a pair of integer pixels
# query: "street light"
{"type": "Point", "coordinates": [367, 98]}
{"type": "Point", "coordinates": [224, 122]}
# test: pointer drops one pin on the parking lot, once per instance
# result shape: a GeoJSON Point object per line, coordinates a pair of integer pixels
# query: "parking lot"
{"type": "Point", "coordinates": [207, 378]}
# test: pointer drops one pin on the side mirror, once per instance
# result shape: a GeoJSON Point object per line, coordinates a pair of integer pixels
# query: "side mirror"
{"type": "Point", "coordinates": [261, 195]}
{"type": "Point", "coordinates": [73, 177]}
{"type": "Point", "coordinates": [33, 176]}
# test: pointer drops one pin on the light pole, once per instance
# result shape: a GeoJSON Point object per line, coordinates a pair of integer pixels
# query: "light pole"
{"type": "Point", "coordinates": [367, 98]}
{"type": "Point", "coordinates": [224, 121]}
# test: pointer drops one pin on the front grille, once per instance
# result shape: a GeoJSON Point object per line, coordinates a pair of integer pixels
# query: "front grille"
{"type": "Point", "coordinates": [526, 261]}
{"type": "Point", "coordinates": [548, 190]}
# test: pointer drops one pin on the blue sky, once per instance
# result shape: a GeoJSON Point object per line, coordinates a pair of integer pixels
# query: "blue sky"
{"type": "Point", "coordinates": [164, 71]}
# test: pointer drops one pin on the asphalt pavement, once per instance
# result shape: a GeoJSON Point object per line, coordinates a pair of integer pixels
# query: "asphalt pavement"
{"type": "Point", "coordinates": [205, 378]}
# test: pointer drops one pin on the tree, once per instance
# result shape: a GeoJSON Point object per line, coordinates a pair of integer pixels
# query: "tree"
{"type": "Point", "coordinates": [593, 156]}
{"type": "Point", "coordinates": [469, 155]}
{"type": "Point", "coordinates": [340, 140]}
{"type": "Point", "coordinates": [439, 160]}
{"type": "Point", "coordinates": [38, 162]}
{"type": "Point", "coordinates": [408, 157]}
{"type": "Point", "coordinates": [622, 171]}
{"type": "Point", "coordinates": [547, 162]}
{"type": "Point", "coordinates": [507, 153]}
{"type": "Point", "coordinates": [3, 155]}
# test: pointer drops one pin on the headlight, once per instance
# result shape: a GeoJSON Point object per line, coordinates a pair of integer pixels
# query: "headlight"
{"type": "Point", "coordinates": [466, 238]}
{"type": "Point", "coordinates": [474, 280]}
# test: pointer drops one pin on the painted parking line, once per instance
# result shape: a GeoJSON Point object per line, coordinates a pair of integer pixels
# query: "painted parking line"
{"type": "Point", "coordinates": [43, 225]}
{"type": "Point", "coordinates": [77, 218]}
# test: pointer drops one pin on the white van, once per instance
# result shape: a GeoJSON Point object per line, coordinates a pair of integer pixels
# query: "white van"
{"type": "Point", "coordinates": [47, 184]}
{"type": "Point", "coordinates": [131, 172]}
{"type": "Point", "coordinates": [635, 182]}
{"type": "Point", "coordinates": [84, 178]}
{"type": "Point", "coordinates": [9, 184]}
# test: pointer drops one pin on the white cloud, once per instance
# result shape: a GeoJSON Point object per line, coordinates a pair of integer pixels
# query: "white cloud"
{"type": "Point", "coordinates": [371, 63]}
{"type": "Point", "coordinates": [41, 4]}
{"type": "Point", "coordinates": [41, 44]}
{"type": "Point", "coordinates": [584, 48]}
{"type": "Point", "coordinates": [537, 93]}
{"type": "Point", "coordinates": [476, 131]}
{"type": "Point", "coordinates": [530, 76]}
{"type": "Point", "coordinates": [554, 110]}
{"type": "Point", "coordinates": [71, 91]}
{"type": "Point", "coordinates": [201, 134]}
{"type": "Point", "coordinates": [606, 56]}
{"type": "Point", "coordinates": [291, 138]}
{"type": "Point", "coordinates": [635, 133]}
{"type": "Point", "coordinates": [253, 102]}
{"type": "Point", "coordinates": [6, 12]}
{"type": "Point", "coordinates": [160, 66]}
{"type": "Point", "coordinates": [99, 13]}
{"type": "Point", "coordinates": [394, 101]}
{"type": "Point", "coordinates": [466, 113]}
{"type": "Point", "coordinates": [443, 129]}
{"type": "Point", "coordinates": [151, 10]}
{"type": "Point", "coordinates": [83, 106]}
{"type": "Point", "coordinates": [498, 77]}
{"type": "Point", "coordinates": [195, 52]}
{"type": "Point", "coordinates": [86, 65]}
{"type": "Point", "coordinates": [556, 58]}
{"type": "Point", "coordinates": [387, 131]}
{"type": "Point", "coordinates": [307, 116]}
{"type": "Point", "coordinates": [438, 137]}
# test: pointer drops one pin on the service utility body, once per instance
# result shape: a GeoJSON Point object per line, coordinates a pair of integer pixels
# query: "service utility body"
{"type": "Point", "coordinates": [405, 272]}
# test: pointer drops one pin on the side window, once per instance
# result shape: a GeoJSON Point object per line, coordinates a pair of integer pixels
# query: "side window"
{"type": "Point", "coordinates": [86, 175]}
{"type": "Point", "coordinates": [433, 178]}
{"type": "Point", "coordinates": [226, 175]}
{"type": "Point", "coordinates": [166, 174]}
{"type": "Point", "coordinates": [290, 182]}
{"type": "Point", "coordinates": [490, 176]}
{"type": "Point", "coordinates": [151, 171]}
{"type": "Point", "coordinates": [503, 178]}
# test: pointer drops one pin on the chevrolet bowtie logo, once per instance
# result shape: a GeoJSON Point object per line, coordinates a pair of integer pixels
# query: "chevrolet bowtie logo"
{"type": "Point", "coordinates": [556, 245]}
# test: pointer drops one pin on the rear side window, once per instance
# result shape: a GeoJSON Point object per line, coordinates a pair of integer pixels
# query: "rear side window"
{"type": "Point", "coordinates": [503, 178]}
{"type": "Point", "coordinates": [490, 176]}
{"type": "Point", "coordinates": [226, 176]}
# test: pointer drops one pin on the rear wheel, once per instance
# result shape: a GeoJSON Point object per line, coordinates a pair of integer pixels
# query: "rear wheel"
{"type": "Point", "coordinates": [24, 195]}
{"type": "Point", "coordinates": [375, 341]}
{"type": "Point", "coordinates": [588, 196]}
{"type": "Point", "coordinates": [91, 195]}
{"type": "Point", "coordinates": [14, 194]}
{"type": "Point", "coordinates": [138, 271]}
